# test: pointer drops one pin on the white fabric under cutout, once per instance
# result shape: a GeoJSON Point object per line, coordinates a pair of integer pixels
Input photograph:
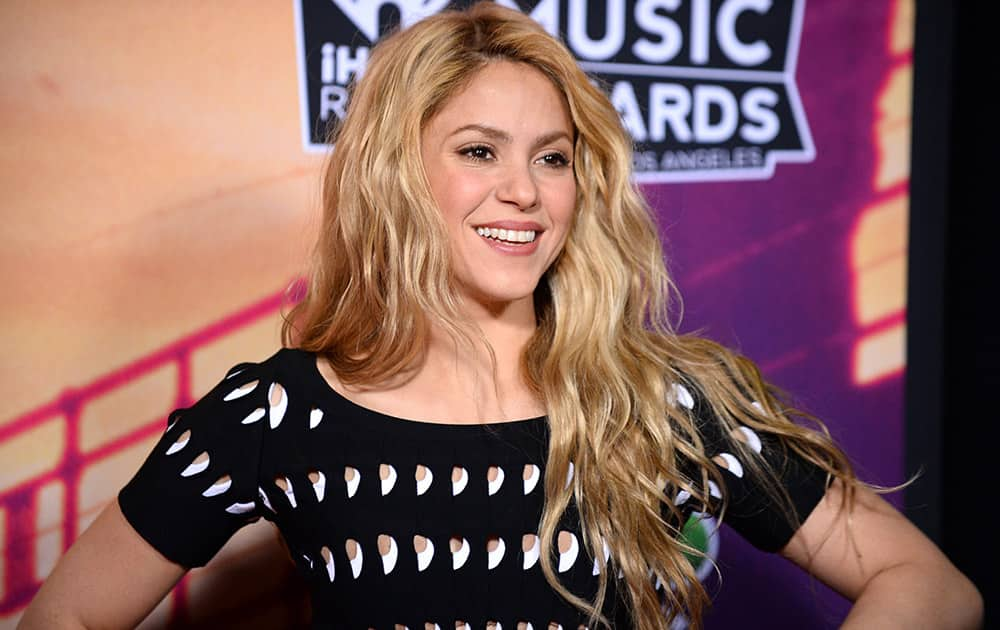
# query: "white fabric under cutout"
{"type": "Point", "coordinates": [424, 557]}
{"type": "Point", "coordinates": [241, 391]}
{"type": "Point", "coordinates": [196, 466]}
{"type": "Point", "coordinates": [533, 475]}
{"type": "Point", "coordinates": [217, 488]}
{"type": "Point", "coordinates": [494, 557]}
{"type": "Point", "coordinates": [390, 557]}
{"type": "Point", "coordinates": [531, 555]}
{"type": "Point", "coordinates": [682, 497]}
{"type": "Point", "coordinates": [683, 396]}
{"type": "Point", "coordinates": [277, 408]}
{"type": "Point", "coordinates": [733, 465]}
{"type": "Point", "coordinates": [181, 441]}
{"type": "Point", "coordinates": [713, 489]}
{"type": "Point", "coordinates": [358, 560]}
{"type": "Point", "coordinates": [390, 479]}
{"type": "Point", "coordinates": [752, 439]}
{"type": "Point", "coordinates": [463, 480]}
{"type": "Point", "coordinates": [607, 557]}
{"type": "Point", "coordinates": [264, 500]}
{"type": "Point", "coordinates": [315, 417]}
{"type": "Point", "coordinates": [319, 486]}
{"type": "Point", "coordinates": [494, 485]}
{"type": "Point", "coordinates": [240, 508]}
{"type": "Point", "coordinates": [254, 416]}
{"type": "Point", "coordinates": [425, 483]}
{"type": "Point", "coordinates": [289, 492]}
{"type": "Point", "coordinates": [459, 557]}
{"type": "Point", "coordinates": [327, 556]}
{"type": "Point", "coordinates": [567, 558]}
{"type": "Point", "coordinates": [352, 483]}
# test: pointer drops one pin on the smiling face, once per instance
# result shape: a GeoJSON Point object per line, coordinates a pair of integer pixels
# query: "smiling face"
{"type": "Point", "coordinates": [499, 160]}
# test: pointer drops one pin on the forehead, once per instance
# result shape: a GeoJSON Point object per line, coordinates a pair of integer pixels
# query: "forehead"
{"type": "Point", "coordinates": [515, 97]}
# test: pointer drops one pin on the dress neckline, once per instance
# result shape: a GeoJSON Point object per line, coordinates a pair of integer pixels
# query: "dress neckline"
{"type": "Point", "coordinates": [413, 427]}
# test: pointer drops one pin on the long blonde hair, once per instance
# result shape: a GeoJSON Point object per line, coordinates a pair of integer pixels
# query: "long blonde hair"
{"type": "Point", "coordinates": [604, 358]}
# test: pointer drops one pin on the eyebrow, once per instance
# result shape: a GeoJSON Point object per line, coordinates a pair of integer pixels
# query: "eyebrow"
{"type": "Point", "coordinates": [501, 136]}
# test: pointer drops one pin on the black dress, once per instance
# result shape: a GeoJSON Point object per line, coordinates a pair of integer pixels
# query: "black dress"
{"type": "Point", "coordinates": [393, 522]}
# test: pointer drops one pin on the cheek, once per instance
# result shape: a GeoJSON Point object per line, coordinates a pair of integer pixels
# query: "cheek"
{"type": "Point", "coordinates": [563, 204]}
{"type": "Point", "coordinates": [561, 213]}
{"type": "Point", "coordinates": [457, 195]}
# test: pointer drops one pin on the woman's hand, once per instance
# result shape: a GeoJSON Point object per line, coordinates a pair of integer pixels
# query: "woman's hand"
{"type": "Point", "coordinates": [874, 556]}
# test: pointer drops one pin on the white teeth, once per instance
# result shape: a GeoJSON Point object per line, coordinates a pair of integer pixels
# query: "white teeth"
{"type": "Point", "coordinates": [510, 236]}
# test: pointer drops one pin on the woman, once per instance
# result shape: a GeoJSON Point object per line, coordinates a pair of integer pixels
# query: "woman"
{"type": "Point", "coordinates": [486, 418]}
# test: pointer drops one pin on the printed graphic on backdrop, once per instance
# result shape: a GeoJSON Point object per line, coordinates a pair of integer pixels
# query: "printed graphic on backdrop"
{"type": "Point", "coordinates": [706, 87]}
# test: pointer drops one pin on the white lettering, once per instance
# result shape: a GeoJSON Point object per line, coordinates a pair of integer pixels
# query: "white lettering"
{"type": "Point", "coordinates": [758, 107]}
{"type": "Point", "coordinates": [705, 96]}
{"type": "Point", "coordinates": [669, 103]}
{"type": "Point", "coordinates": [700, 21]}
{"type": "Point", "coordinates": [744, 157]}
{"type": "Point", "coordinates": [546, 13]}
{"type": "Point", "coordinates": [332, 99]}
{"type": "Point", "coordinates": [714, 158]}
{"type": "Point", "coordinates": [326, 63]}
{"type": "Point", "coordinates": [671, 37]}
{"type": "Point", "coordinates": [614, 34]}
{"type": "Point", "coordinates": [348, 64]}
{"type": "Point", "coordinates": [725, 30]}
{"type": "Point", "coordinates": [644, 161]}
{"type": "Point", "coordinates": [624, 100]}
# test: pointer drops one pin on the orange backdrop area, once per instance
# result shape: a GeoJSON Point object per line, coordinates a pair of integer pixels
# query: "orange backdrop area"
{"type": "Point", "coordinates": [154, 184]}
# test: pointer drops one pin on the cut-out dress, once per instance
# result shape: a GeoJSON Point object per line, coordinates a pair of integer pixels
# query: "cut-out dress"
{"type": "Point", "coordinates": [396, 522]}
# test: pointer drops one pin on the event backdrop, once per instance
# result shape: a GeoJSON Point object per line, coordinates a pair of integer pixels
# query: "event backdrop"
{"type": "Point", "coordinates": [160, 165]}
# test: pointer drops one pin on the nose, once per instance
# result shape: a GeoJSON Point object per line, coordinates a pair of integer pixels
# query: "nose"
{"type": "Point", "coordinates": [518, 187]}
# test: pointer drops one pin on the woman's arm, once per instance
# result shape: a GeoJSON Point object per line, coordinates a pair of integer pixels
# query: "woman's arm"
{"type": "Point", "coordinates": [109, 578]}
{"type": "Point", "coordinates": [874, 556]}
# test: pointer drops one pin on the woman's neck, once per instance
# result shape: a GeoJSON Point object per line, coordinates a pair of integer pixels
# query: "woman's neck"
{"type": "Point", "coordinates": [458, 382]}
{"type": "Point", "coordinates": [494, 384]}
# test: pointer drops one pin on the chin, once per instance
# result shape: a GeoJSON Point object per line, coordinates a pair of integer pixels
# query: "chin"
{"type": "Point", "coordinates": [498, 295]}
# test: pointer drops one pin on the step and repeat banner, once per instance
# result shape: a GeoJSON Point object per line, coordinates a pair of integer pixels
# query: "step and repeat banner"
{"type": "Point", "coordinates": [160, 165]}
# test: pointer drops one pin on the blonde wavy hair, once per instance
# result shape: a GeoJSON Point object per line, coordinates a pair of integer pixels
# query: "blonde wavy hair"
{"type": "Point", "coordinates": [604, 357]}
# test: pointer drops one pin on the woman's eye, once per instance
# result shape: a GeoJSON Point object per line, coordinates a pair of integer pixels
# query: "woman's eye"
{"type": "Point", "coordinates": [477, 152]}
{"type": "Point", "coordinates": [555, 159]}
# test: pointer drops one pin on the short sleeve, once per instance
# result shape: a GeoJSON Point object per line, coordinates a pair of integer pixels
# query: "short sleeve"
{"type": "Point", "coordinates": [751, 510]}
{"type": "Point", "coordinates": [199, 484]}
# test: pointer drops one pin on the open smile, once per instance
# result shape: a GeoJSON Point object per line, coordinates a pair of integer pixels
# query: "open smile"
{"type": "Point", "coordinates": [507, 236]}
